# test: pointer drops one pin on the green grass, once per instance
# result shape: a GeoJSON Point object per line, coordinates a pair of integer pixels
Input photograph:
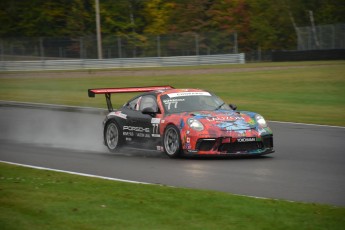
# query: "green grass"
{"type": "Point", "coordinates": [312, 93]}
{"type": "Point", "coordinates": [40, 199]}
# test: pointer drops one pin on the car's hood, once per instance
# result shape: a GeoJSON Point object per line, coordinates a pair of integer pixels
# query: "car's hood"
{"type": "Point", "coordinates": [225, 119]}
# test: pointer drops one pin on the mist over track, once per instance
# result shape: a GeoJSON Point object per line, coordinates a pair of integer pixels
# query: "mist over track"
{"type": "Point", "coordinates": [308, 164]}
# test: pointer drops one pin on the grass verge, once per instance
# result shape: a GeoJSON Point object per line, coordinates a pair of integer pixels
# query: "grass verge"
{"type": "Point", "coordinates": [41, 199]}
{"type": "Point", "coordinates": [312, 93]}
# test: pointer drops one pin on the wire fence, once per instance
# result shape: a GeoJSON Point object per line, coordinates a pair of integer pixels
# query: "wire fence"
{"type": "Point", "coordinates": [321, 37]}
{"type": "Point", "coordinates": [143, 45]}
{"type": "Point", "coordinates": [124, 46]}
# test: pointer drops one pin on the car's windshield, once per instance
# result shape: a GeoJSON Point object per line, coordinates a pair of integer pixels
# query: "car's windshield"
{"type": "Point", "coordinates": [191, 101]}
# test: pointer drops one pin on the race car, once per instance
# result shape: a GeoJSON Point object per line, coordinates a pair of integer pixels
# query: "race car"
{"type": "Point", "coordinates": [183, 122]}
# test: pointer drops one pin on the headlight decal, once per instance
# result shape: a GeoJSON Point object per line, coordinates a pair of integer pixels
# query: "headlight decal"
{"type": "Point", "coordinates": [260, 120]}
{"type": "Point", "coordinates": [195, 124]}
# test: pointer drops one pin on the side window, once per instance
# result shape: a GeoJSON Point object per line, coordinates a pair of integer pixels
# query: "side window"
{"type": "Point", "coordinates": [148, 101]}
{"type": "Point", "coordinates": [134, 104]}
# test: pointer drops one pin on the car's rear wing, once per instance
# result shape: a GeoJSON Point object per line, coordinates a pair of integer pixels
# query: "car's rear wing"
{"type": "Point", "coordinates": [108, 91]}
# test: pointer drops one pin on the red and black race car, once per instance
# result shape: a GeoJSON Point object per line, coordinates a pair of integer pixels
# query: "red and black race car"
{"type": "Point", "coordinates": [183, 121]}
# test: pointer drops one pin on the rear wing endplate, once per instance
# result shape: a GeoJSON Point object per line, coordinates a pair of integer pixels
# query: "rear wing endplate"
{"type": "Point", "coordinates": [108, 91]}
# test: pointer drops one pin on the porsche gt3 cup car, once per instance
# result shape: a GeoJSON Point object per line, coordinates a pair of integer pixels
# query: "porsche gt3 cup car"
{"type": "Point", "coordinates": [183, 121]}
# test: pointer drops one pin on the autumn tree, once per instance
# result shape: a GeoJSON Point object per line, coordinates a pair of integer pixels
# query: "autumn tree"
{"type": "Point", "coordinates": [157, 13]}
{"type": "Point", "coordinates": [270, 25]}
{"type": "Point", "coordinates": [187, 16]}
{"type": "Point", "coordinates": [230, 17]}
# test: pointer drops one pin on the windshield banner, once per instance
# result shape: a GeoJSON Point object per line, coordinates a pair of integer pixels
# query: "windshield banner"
{"type": "Point", "coordinates": [185, 94]}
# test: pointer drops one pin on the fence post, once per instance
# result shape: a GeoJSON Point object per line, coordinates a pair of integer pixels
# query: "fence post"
{"type": "Point", "coordinates": [333, 36]}
{"type": "Point", "coordinates": [2, 50]}
{"type": "Point", "coordinates": [98, 31]}
{"type": "Point", "coordinates": [81, 48]}
{"type": "Point", "coordinates": [119, 46]}
{"type": "Point", "coordinates": [158, 46]}
{"type": "Point", "coordinates": [41, 48]}
{"type": "Point", "coordinates": [235, 43]}
{"type": "Point", "coordinates": [196, 44]}
{"type": "Point", "coordinates": [313, 29]}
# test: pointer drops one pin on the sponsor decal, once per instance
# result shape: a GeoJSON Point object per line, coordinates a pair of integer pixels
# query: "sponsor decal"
{"type": "Point", "coordinates": [192, 151]}
{"type": "Point", "coordinates": [181, 123]}
{"type": "Point", "coordinates": [233, 126]}
{"type": "Point", "coordinates": [172, 103]}
{"type": "Point", "coordinates": [187, 146]}
{"type": "Point", "coordinates": [155, 120]}
{"type": "Point", "coordinates": [186, 94]}
{"type": "Point", "coordinates": [246, 139]}
{"type": "Point", "coordinates": [226, 118]}
{"type": "Point", "coordinates": [155, 129]}
{"type": "Point", "coordinates": [144, 135]}
{"type": "Point", "coordinates": [130, 134]}
{"type": "Point", "coordinates": [128, 138]}
{"type": "Point", "coordinates": [136, 129]}
{"type": "Point", "coordinates": [166, 101]}
{"type": "Point", "coordinates": [241, 133]}
{"type": "Point", "coordinates": [204, 135]}
{"type": "Point", "coordinates": [119, 114]}
{"type": "Point", "coordinates": [160, 148]}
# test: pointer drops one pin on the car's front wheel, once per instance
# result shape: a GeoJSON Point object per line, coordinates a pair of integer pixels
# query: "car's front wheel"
{"type": "Point", "coordinates": [172, 141]}
{"type": "Point", "coordinates": [112, 136]}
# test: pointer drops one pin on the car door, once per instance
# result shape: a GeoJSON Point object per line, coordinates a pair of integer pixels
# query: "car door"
{"type": "Point", "coordinates": [140, 127]}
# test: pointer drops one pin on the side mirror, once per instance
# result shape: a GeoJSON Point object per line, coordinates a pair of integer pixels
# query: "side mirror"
{"type": "Point", "coordinates": [233, 107]}
{"type": "Point", "coordinates": [149, 111]}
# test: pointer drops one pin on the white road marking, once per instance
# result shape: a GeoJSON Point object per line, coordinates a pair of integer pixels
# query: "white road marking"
{"type": "Point", "coordinates": [74, 173]}
{"type": "Point", "coordinates": [296, 123]}
{"type": "Point", "coordinates": [121, 180]}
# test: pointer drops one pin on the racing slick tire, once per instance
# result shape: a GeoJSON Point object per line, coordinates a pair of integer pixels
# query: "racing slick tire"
{"type": "Point", "coordinates": [112, 136]}
{"type": "Point", "coordinates": [172, 141]}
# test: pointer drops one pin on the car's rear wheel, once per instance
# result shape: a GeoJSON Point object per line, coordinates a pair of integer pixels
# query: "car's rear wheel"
{"type": "Point", "coordinates": [172, 141]}
{"type": "Point", "coordinates": [112, 136]}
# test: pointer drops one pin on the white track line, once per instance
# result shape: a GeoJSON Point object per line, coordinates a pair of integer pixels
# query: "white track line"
{"type": "Point", "coordinates": [127, 181]}
{"type": "Point", "coordinates": [295, 123]}
{"type": "Point", "coordinates": [73, 173]}
{"type": "Point", "coordinates": [101, 177]}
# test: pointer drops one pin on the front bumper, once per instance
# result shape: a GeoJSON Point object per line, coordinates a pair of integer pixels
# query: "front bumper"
{"type": "Point", "coordinates": [232, 146]}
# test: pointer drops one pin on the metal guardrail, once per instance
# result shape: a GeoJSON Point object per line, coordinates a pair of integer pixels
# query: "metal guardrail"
{"type": "Point", "coordinates": [74, 64]}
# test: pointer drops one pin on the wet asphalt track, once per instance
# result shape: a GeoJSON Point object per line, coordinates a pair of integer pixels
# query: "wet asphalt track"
{"type": "Point", "coordinates": [308, 164]}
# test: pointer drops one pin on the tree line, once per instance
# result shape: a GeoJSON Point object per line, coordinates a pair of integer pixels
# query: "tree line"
{"type": "Point", "coordinates": [268, 24]}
